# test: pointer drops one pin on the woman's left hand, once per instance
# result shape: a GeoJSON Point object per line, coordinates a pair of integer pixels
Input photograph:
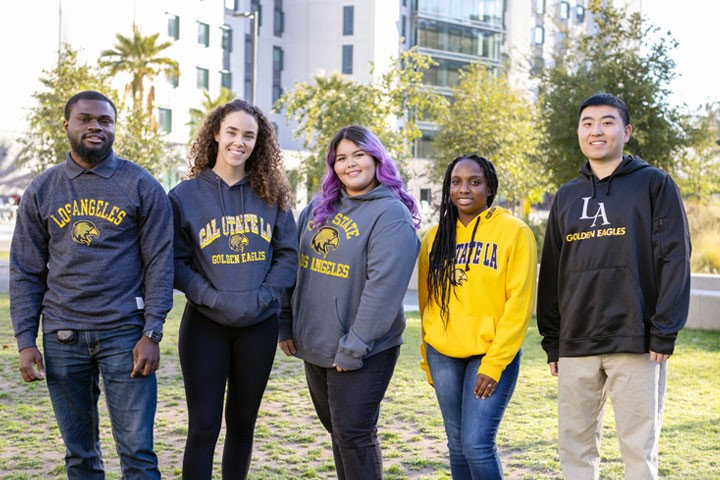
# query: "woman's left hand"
{"type": "Point", "coordinates": [485, 386]}
{"type": "Point", "coordinates": [340, 369]}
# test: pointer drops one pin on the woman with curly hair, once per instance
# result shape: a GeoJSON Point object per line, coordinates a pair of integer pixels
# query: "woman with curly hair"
{"type": "Point", "coordinates": [476, 291]}
{"type": "Point", "coordinates": [358, 247]}
{"type": "Point", "coordinates": [235, 253]}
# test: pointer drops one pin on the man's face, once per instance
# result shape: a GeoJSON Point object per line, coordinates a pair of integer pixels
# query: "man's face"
{"type": "Point", "coordinates": [90, 131]}
{"type": "Point", "coordinates": [601, 133]}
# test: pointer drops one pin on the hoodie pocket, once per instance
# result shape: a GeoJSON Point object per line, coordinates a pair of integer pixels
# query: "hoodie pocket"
{"type": "Point", "coordinates": [317, 326]}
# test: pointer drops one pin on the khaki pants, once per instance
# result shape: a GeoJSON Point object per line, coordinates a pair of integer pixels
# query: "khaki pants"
{"type": "Point", "coordinates": [636, 386]}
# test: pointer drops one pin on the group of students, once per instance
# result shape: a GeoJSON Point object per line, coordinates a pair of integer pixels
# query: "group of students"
{"type": "Point", "coordinates": [94, 254]}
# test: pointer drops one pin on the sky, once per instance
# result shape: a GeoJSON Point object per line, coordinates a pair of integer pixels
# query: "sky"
{"type": "Point", "coordinates": [694, 24]}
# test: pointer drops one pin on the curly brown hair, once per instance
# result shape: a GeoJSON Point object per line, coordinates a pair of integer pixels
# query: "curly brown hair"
{"type": "Point", "coordinates": [264, 168]}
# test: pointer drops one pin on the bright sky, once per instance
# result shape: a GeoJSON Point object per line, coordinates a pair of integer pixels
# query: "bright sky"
{"type": "Point", "coordinates": [694, 25]}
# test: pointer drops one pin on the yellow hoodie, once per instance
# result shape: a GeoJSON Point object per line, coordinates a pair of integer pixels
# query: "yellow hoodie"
{"type": "Point", "coordinates": [489, 310]}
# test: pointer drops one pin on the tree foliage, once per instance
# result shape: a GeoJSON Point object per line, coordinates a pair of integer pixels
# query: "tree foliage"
{"type": "Point", "coordinates": [45, 142]}
{"type": "Point", "coordinates": [623, 56]}
{"type": "Point", "coordinates": [138, 141]}
{"type": "Point", "coordinates": [139, 56]}
{"type": "Point", "coordinates": [698, 168]}
{"type": "Point", "coordinates": [391, 108]}
{"type": "Point", "coordinates": [488, 118]}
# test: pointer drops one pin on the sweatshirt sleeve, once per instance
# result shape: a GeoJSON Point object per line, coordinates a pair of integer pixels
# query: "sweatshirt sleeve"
{"type": "Point", "coordinates": [392, 251]}
{"type": "Point", "coordinates": [423, 268]}
{"type": "Point", "coordinates": [284, 264]}
{"type": "Point", "coordinates": [671, 250]}
{"type": "Point", "coordinates": [156, 248]}
{"type": "Point", "coordinates": [28, 270]}
{"type": "Point", "coordinates": [548, 312]}
{"type": "Point", "coordinates": [195, 287]}
{"type": "Point", "coordinates": [520, 284]}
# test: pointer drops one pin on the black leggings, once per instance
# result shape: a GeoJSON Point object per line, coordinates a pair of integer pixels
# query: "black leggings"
{"type": "Point", "coordinates": [210, 355]}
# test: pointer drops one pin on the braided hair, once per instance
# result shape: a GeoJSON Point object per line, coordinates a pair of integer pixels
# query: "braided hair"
{"type": "Point", "coordinates": [441, 271]}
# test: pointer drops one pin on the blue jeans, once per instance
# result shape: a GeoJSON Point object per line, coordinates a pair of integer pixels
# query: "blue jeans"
{"type": "Point", "coordinates": [471, 424]}
{"type": "Point", "coordinates": [348, 405]}
{"type": "Point", "coordinates": [73, 374]}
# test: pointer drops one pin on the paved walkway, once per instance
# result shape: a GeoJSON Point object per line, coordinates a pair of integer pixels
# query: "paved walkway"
{"type": "Point", "coordinates": [6, 229]}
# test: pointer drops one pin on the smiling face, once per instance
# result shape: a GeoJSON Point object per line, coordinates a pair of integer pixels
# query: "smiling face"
{"type": "Point", "coordinates": [602, 135]}
{"type": "Point", "coordinates": [90, 129]}
{"type": "Point", "coordinates": [236, 141]}
{"type": "Point", "coordinates": [469, 190]}
{"type": "Point", "coordinates": [355, 168]}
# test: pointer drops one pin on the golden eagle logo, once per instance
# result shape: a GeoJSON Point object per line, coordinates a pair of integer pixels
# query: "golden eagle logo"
{"type": "Point", "coordinates": [324, 240]}
{"type": "Point", "coordinates": [238, 242]}
{"type": "Point", "coordinates": [460, 276]}
{"type": "Point", "coordinates": [84, 231]}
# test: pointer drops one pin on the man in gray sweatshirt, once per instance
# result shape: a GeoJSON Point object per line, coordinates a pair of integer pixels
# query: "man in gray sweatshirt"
{"type": "Point", "coordinates": [92, 255]}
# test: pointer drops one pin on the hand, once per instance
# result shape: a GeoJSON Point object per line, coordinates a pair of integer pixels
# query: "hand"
{"type": "Point", "coordinates": [553, 368]}
{"type": "Point", "coordinates": [485, 386]}
{"type": "Point", "coordinates": [288, 347]}
{"type": "Point", "coordinates": [146, 357]}
{"type": "Point", "coordinates": [29, 359]}
{"type": "Point", "coordinates": [658, 357]}
{"type": "Point", "coordinates": [340, 369]}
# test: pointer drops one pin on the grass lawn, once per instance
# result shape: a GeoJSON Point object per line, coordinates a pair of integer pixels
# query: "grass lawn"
{"type": "Point", "coordinates": [290, 443]}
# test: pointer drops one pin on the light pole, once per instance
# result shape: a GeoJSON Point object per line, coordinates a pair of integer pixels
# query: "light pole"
{"type": "Point", "coordinates": [254, 17]}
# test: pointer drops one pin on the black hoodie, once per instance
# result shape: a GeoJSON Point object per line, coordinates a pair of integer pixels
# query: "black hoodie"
{"type": "Point", "coordinates": [615, 267]}
{"type": "Point", "coordinates": [234, 253]}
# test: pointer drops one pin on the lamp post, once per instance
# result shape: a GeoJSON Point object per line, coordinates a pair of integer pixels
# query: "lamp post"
{"type": "Point", "coordinates": [254, 17]}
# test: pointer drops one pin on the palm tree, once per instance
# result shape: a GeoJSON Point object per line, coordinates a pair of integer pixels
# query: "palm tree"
{"type": "Point", "coordinates": [197, 115]}
{"type": "Point", "coordinates": [139, 56]}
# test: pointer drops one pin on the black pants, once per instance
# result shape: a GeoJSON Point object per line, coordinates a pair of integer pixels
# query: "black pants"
{"type": "Point", "coordinates": [211, 355]}
{"type": "Point", "coordinates": [348, 405]}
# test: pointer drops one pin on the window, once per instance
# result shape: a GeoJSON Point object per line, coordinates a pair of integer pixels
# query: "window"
{"type": "Point", "coordinates": [173, 26]}
{"type": "Point", "coordinates": [538, 35]}
{"type": "Point", "coordinates": [403, 26]}
{"type": "Point", "coordinates": [348, 20]}
{"type": "Point", "coordinates": [226, 32]}
{"type": "Point", "coordinates": [202, 78]}
{"type": "Point", "coordinates": [165, 119]}
{"type": "Point", "coordinates": [231, 5]}
{"type": "Point", "coordinates": [347, 59]}
{"type": "Point", "coordinates": [203, 34]}
{"type": "Point", "coordinates": [226, 79]}
{"type": "Point", "coordinates": [256, 7]}
{"type": "Point", "coordinates": [539, 7]}
{"type": "Point", "coordinates": [579, 13]}
{"type": "Point", "coordinates": [564, 11]}
{"type": "Point", "coordinates": [425, 195]}
{"type": "Point", "coordinates": [278, 63]}
{"type": "Point", "coordinates": [173, 80]}
{"type": "Point", "coordinates": [278, 19]}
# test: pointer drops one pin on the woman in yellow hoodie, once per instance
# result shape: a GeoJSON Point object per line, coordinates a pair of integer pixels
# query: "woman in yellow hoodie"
{"type": "Point", "coordinates": [477, 279]}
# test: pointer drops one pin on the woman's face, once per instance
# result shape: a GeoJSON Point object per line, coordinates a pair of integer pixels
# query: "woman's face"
{"type": "Point", "coordinates": [355, 168]}
{"type": "Point", "coordinates": [469, 190]}
{"type": "Point", "coordinates": [236, 141]}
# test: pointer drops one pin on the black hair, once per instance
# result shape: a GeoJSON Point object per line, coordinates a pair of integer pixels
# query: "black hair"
{"type": "Point", "coordinates": [609, 100]}
{"type": "Point", "coordinates": [87, 95]}
{"type": "Point", "coordinates": [441, 269]}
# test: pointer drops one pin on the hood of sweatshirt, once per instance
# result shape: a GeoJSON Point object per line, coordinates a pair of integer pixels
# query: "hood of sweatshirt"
{"type": "Point", "coordinates": [628, 165]}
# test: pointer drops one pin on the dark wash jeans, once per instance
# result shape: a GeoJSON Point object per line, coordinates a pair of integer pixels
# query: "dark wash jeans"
{"type": "Point", "coordinates": [348, 405]}
{"type": "Point", "coordinates": [471, 424]}
{"type": "Point", "coordinates": [73, 379]}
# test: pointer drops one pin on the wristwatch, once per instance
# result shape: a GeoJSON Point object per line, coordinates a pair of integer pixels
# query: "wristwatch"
{"type": "Point", "coordinates": [153, 335]}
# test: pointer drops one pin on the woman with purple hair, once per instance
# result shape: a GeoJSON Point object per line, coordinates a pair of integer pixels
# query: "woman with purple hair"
{"type": "Point", "coordinates": [358, 246]}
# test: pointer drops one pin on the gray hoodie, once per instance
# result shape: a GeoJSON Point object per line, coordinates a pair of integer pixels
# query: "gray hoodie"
{"type": "Point", "coordinates": [234, 253]}
{"type": "Point", "coordinates": [354, 271]}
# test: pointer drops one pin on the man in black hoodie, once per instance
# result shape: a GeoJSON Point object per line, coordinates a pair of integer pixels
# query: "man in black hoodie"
{"type": "Point", "coordinates": [613, 293]}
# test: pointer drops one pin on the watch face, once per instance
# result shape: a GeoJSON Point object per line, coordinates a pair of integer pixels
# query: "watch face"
{"type": "Point", "coordinates": [153, 335]}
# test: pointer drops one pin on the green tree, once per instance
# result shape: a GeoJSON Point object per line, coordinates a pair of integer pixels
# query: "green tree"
{"type": "Point", "coordinates": [327, 103]}
{"type": "Point", "coordinates": [138, 56]}
{"type": "Point", "coordinates": [698, 168]}
{"type": "Point", "coordinates": [138, 141]}
{"type": "Point", "coordinates": [45, 142]}
{"type": "Point", "coordinates": [627, 58]}
{"type": "Point", "coordinates": [197, 115]}
{"type": "Point", "coordinates": [487, 117]}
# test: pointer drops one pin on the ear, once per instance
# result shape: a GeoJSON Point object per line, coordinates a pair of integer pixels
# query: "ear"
{"type": "Point", "coordinates": [628, 132]}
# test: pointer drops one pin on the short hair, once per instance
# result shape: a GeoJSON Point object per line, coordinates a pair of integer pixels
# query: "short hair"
{"type": "Point", "coordinates": [609, 100]}
{"type": "Point", "coordinates": [87, 95]}
{"type": "Point", "coordinates": [386, 173]}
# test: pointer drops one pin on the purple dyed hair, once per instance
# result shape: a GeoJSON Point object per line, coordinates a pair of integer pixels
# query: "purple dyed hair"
{"type": "Point", "coordinates": [386, 173]}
